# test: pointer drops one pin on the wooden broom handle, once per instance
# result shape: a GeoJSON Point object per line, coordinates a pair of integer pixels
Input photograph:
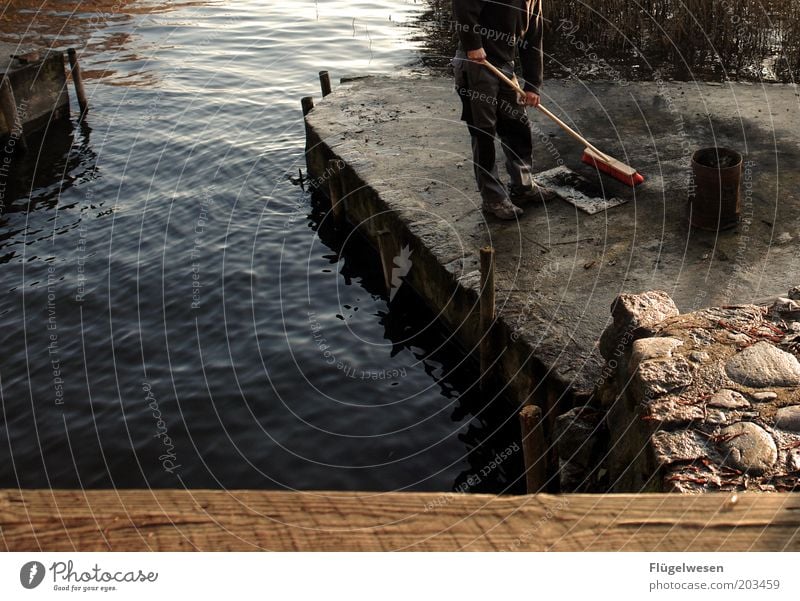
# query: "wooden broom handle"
{"type": "Point", "coordinates": [515, 86]}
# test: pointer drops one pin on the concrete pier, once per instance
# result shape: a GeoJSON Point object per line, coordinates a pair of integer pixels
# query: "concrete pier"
{"type": "Point", "coordinates": [38, 81]}
{"type": "Point", "coordinates": [407, 169]}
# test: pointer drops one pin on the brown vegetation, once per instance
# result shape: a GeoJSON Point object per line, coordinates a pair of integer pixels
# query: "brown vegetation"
{"type": "Point", "coordinates": [728, 37]}
{"type": "Point", "coordinates": [706, 39]}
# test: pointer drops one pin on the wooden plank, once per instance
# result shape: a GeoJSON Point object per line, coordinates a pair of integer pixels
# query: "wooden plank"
{"type": "Point", "coordinates": [171, 520]}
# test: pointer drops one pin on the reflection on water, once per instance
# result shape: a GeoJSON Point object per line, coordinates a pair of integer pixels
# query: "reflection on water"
{"type": "Point", "coordinates": [92, 26]}
{"type": "Point", "coordinates": [494, 461]}
{"type": "Point", "coordinates": [63, 156]}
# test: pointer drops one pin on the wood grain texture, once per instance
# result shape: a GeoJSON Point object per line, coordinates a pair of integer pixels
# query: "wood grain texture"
{"type": "Point", "coordinates": [172, 520]}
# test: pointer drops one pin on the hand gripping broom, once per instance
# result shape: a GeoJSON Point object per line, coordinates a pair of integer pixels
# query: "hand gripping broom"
{"type": "Point", "coordinates": [591, 155]}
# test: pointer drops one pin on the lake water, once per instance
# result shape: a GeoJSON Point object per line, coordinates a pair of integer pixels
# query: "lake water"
{"type": "Point", "coordinates": [173, 312]}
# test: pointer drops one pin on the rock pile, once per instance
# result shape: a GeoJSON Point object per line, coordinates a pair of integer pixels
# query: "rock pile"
{"type": "Point", "coordinates": [708, 400]}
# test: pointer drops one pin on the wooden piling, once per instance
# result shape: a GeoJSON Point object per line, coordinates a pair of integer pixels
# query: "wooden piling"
{"type": "Point", "coordinates": [534, 449]}
{"type": "Point", "coordinates": [335, 191]}
{"type": "Point", "coordinates": [8, 104]}
{"type": "Point", "coordinates": [325, 83]}
{"type": "Point", "coordinates": [487, 315]}
{"type": "Point", "coordinates": [553, 410]}
{"type": "Point", "coordinates": [77, 81]}
{"type": "Point", "coordinates": [553, 396]}
{"type": "Point", "coordinates": [308, 104]}
{"type": "Point", "coordinates": [388, 251]}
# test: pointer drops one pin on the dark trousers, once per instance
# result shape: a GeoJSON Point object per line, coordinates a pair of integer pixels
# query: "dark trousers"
{"type": "Point", "coordinates": [490, 110]}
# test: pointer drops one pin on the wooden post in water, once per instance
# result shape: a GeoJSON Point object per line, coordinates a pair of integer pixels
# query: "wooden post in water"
{"type": "Point", "coordinates": [77, 81]}
{"type": "Point", "coordinates": [487, 315]}
{"type": "Point", "coordinates": [308, 104]}
{"type": "Point", "coordinates": [8, 104]}
{"type": "Point", "coordinates": [533, 448]}
{"type": "Point", "coordinates": [325, 83]}
{"type": "Point", "coordinates": [335, 191]}
{"type": "Point", "coordinates": [388, 251]}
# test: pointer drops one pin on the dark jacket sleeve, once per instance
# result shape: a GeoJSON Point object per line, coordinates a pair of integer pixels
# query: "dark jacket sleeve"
{"type": "Point", "coordinates": [467, 14]}
{"type": "Point", "coordinates": [531, 54]}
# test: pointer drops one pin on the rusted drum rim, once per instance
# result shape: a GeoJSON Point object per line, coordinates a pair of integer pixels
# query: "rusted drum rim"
{"type": "Point", "coordinates": [699, 158]}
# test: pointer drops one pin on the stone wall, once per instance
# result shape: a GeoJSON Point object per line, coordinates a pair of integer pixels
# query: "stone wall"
{"type": "Point", "coordinates": [703, 401]}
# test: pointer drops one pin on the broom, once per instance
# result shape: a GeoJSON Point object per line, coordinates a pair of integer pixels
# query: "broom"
{"type": "Point", "coordinates": [591, 155]}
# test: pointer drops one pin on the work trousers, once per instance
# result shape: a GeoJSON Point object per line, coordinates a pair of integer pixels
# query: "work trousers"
{"type": "Point", "coordinates": [490, 109]}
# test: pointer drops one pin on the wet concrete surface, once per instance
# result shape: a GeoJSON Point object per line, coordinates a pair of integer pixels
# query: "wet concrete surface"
{"type": "Point", "coordinates": [558, 268]}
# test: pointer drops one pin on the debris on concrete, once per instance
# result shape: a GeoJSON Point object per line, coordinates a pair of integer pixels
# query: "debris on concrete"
{"type": "Point", "coordinates": [577, 190]}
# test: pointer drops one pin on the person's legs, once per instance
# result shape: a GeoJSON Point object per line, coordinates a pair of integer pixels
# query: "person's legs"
{"type": "Point", "coordinates": [514, 131]}
{"type": "Point", "coordinates": [485, 164]}
{"type": "Point", "coordinates": [479, 90]}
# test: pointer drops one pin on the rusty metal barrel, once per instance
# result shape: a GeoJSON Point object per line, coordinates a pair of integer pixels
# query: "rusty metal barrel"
{"type": "Point", "coordinates": [716, 202]}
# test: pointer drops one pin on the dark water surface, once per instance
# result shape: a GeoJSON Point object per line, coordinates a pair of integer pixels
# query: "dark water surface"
{"type": "Point", "coordinates": [173, 312]}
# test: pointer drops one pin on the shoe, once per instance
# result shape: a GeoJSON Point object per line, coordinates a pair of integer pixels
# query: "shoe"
{"type": "Point", "coordinates": [504, 209]}
{"type": "Point", "coordinates": [532, 193]}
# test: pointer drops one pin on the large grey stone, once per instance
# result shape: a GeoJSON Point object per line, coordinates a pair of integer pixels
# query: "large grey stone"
{"type": "Point", "coordinates": [683, 445]}
{"type": "Point", "coordinates": [728, 399]}
{"type": "Point", "coordinates": [635, 316]}
{"type": "Point", "coordinates": [763, 365]}
{"type": "Point", "coordinates": [748, 447]}
{"type": "Point", "coordinates": [788, 418]}
{"type": "Point", "coordinates": [652, 348]}
{"type": "Point", "coordinates": [646, 310]}
{"type": "Point", "coordinates": [657, 377]}
{"type": "Point", "coordinates": [672, 411]}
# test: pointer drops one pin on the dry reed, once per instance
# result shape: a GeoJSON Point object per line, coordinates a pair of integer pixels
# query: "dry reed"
{"type": "Point", "coordinates": [702, 38]}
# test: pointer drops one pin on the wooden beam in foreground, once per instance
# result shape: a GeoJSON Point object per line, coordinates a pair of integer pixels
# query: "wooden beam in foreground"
{"type": "Point", "coordinates": [172, 520]}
